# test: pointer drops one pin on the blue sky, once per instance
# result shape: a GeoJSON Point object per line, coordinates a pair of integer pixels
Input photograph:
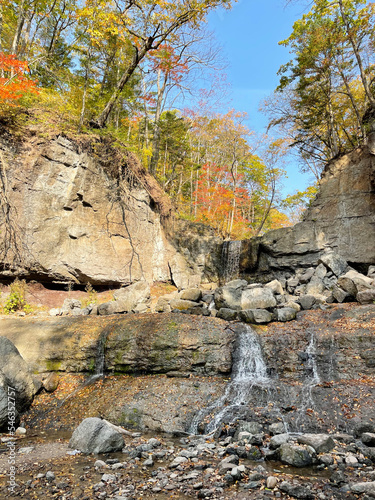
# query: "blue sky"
{"type": "Point", "coordinates": [249, 35]}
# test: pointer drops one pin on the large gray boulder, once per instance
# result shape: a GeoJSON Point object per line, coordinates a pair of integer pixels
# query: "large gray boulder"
{"type": "Point", "coordinates": [322, 443]}
{"type": "Point", "coordinates": [255, 316]}
{"type": "Point", "coordinates": [295, 455]}
{"type": "Point", "coordinates": [229, 296]}
{"type": "Point", "coordinates": [94, 435]}
{"type": "Point", "coordinates": [15, 381]}
{"type": "Point", "coordinates": [258, 298]}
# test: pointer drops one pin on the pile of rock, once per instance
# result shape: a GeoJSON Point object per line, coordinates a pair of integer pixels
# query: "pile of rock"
{"type": "Point", "coordinates": [279, 300]}
{"type": "Point", "coordinates": [134, 298]}
{"type": "Point", "coordinates": [199, 466]}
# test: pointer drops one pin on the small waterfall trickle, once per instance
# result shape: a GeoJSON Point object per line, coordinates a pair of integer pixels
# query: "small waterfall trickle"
{"type": "Point", "coordinates": [99, 358]}
{"type": "Point", "coordinates": [312, 379]}
{"type": "Point", "coordinates": [230, 259]}
{"type": "Point", "coordinates": [99, 366]}
{"type": "Point", "coordinates": [249, 371]}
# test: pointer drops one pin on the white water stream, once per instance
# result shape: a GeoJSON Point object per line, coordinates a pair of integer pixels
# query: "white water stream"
{"type": "Point", "coordinates": [231, 259]}
{"type": "Point", "coordinates": [249, 371]}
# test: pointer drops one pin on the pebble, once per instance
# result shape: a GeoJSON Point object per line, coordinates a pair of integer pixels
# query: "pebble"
{"type": "Point", "coordinates": [109, 478]}
{"type": "Point", "coordinates": [100, 464]}
{"type": "Point", "coordinates": [271, 482]}
{"type": "Point", "coordinates": [50, 476]}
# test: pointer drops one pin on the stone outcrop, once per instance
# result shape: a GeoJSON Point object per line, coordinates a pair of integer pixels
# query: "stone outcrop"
{"type": "Point", "coordinates": [320, 369]}
{"type": "Point", "coordinates": [16, 385]}
{"type": "Point", "coordinates": [341, 219]}
{"type": "Point", "coordinates": [74, 220]}
{"type": "Point", "coordinates": [131, 344]}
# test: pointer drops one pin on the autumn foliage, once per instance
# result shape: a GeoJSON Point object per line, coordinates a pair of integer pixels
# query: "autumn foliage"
{"type": "Point", "coordinates": [14, 82]}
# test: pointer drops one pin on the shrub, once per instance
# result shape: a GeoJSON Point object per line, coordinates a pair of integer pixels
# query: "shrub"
{"type": "Point", "coordinates": [17, 298]}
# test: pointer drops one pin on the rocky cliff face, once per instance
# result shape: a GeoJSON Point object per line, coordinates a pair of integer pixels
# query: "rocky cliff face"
{"type": "Point", "coordinates": [320, 368]}
{"type": "Point", "coordinates": [341, 219]}
{"type": "Point", "coordinates": [72, 221]}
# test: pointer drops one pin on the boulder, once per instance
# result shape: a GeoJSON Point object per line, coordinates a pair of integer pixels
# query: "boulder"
{"type": "Point", "coordinates": [368, 438]}
{"type": "Point", "coordinates": [293, 305]}
{"type": "Point", "coordinates": [339, 294]}
{"type": "Point", "coordinates": [94, 435]}
{"type": "Point", "coordinates": [227, 314]}
{"type": "Point", "coordinates": [229, 296]}
{"type": "Point", "coordinates": [362, 427]}
{"type": "Point", "coordinates": [348, 286]}
{"type": "Point", "coordinates": [255, 316]}
{"type": "Point", "coordinates": [15, 382]}
{"type": "Point", "coordinates": [334, 263]}
{"type": "Point", "coordinates": [322, 443]}
{"type": "Point", "coordinates": [108, 308]}
{"type": "Point", "coordinates": [70, 306]}
{"type": "Point", "coordinates": [361, 281]}
{"type": "Point", "coordinates": [276, 287]}
{"type": "Point", "coordinates": [316, 286]}
{"type": "Point", "coordinates": [278, 440]}
{"type": "Point", "coordinates": [182, 305]}
{"type": "Point", "coordinates": [51, 382]}
{"type": "Point", "coordinates": [128, 297]}
{"type": "Point", "coordinates": [366, 296]}
{"type": "Point", "coordinates": [371, 272]}
{"type": "Point", "coordinates": [251, 427]}
{"type": "Point", "coordinates": [162, 305]}
{"type": "Point", "coordinates": [257, 298]}
{"type": "Point", "coordinates": [368, 488]}
{"type": "Point", "coordinates": [307, 275]}
{"type": "Point", "coordinates": [297, 491]}
{"type": "Point", "coordinates": [193, 294]}
{"type": "Point", "coordinates": [277, 428]}
{"type": "Point", "coordinates": [307, 301]}
{"type": "Point", "coordinates": [295, 455]}
{"type": "Point", "coordinates": [286, 314]}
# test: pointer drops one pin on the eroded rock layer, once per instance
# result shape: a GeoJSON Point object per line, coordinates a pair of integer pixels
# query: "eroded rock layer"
{"type": "Point", "coordinates": [341, 219]}
{"type": "Point", "coordinates": [71, 220]}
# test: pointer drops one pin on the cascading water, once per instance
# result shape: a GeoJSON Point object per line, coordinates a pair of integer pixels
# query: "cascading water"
{"type": "Point", "coordinates": [230, 259]}
{"type": "Point", "coordinates": [99, 358]}
{"type": "Point", "coordinates": [98, 366]}
{"type": "Point", "coordinates": [249, 371]}
{"type": "Point", "coordinates": [312, 379]}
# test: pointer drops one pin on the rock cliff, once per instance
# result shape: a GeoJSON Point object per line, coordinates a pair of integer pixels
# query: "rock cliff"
{"type": "Point", "coordinates": [66, 218]}
{"type": "Point", "coordinates": [341, 219]}
{"type": "Point", "coordinates": [320, 368]}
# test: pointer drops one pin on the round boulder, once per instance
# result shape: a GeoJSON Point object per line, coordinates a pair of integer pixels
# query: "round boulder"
{"type": "Point", "coordinates": [94, 435]}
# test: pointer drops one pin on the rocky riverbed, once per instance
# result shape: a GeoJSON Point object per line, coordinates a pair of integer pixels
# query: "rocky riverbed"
{"type": "Point", "coordinates": [314, 375]}
{"type": "Point", "coordinates": [160, 467]}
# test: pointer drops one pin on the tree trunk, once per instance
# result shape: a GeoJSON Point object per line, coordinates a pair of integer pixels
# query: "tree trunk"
{"type": "Point", "coordinates": [21, 14]}
{"type": "Point", "coordinates": [101, 121]}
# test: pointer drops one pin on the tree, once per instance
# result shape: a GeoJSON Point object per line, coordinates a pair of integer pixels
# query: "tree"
{"type": "Point", "coordinates": [328, 85]}
{"type": "Point", "coordinates": [146, 25]}
{"type": "Point", "coordinates": [14, 83]}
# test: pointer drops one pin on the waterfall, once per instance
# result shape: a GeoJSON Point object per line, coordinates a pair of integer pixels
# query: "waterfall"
{"type": "Point", "coordinates": [230, 259]}
{"type": "Point", "coordinates": [249, 371]}
{"type": "Point", "coordinates": [98, 366]}
{"type": "Point", "coordinates": [312, 379]}
{"type": "Point", "coordinates": [99, 357]}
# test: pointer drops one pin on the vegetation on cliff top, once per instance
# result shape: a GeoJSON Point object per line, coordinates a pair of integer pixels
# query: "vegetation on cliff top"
{"type": "Point", "coordinates": [125, 68]}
